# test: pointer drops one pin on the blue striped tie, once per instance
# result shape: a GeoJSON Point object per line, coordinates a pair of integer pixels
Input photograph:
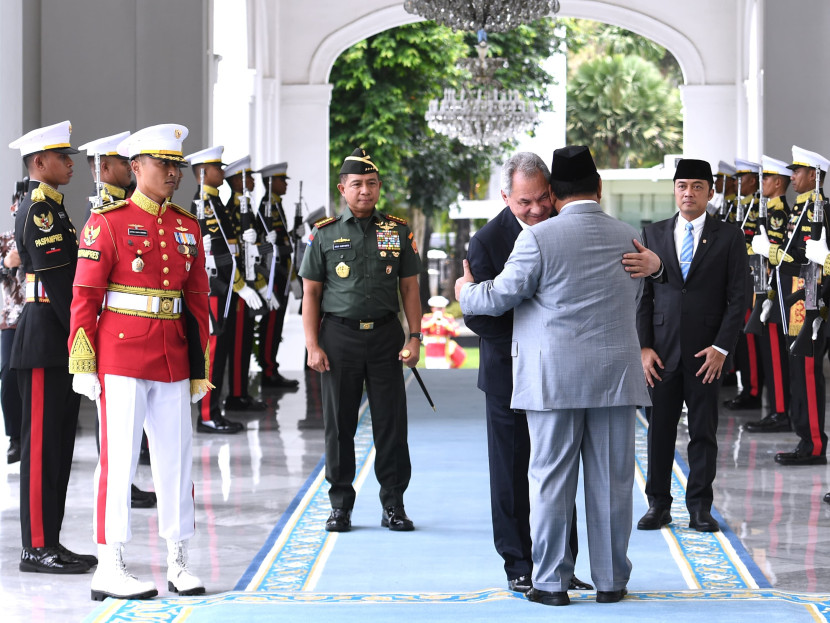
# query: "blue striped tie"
{"type": "Point", "coordinates": [687, 251]}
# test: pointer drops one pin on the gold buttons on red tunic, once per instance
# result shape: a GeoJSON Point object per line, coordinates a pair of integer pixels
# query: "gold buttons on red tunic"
{"type": "Point", "coordinates": [163, 244]}
{"type": "Point", "coordinates": [165, 270]}
{"type": "Point", "coordinates": [165, 283]}
{"type": "Point", "coordinates": [161, 232]}
{"type": "Point", "coordinates": [164, 256]}
{"type": "Point", "coordinates": [160, 221]}
{"type": "Point", "coordinates": [121, 335]}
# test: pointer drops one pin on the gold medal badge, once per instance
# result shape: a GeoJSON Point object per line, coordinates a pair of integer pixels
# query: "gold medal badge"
{"type": "Point", "coordinates": [138, 265]}
{"type": "Point", "coordinates": [342, 270]}
{"type": "Point", "coordinates": [388, 270]}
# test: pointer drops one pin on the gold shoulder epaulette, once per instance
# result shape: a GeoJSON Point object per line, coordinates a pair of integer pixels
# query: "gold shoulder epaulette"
{"type": "Point", "coordinates": [325, 221]}
{"type": "Point", "coordinates": [397, 219]}
{"type": "Point", "coordinates": [109, 207]}
{"type": "Point", "coordinates": [180, 210]}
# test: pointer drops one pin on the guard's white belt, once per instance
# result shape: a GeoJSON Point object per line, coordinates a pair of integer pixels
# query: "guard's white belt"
{"type": "Point", "coordinates": [142, 303]}
{"type": "Point", "coordinates": [30, 291]}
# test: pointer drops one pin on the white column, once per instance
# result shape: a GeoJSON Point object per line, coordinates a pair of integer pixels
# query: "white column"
{"type": "Point", "coordinates": [304, 141]}
{"type": "Point", "coordinates": [11, 102]}
{"type": "Point", "coordinates": [710, 121]}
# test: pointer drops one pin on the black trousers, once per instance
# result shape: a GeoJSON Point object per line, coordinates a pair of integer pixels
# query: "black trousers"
{"type": "Point", "coordinates": [50, 420]}
{"type": "Point", "coordinates": [807, 394]}
{"type": "Point", "coordinates": [10, 399]}
{"type": "Point", "coordinates": [242, 344]}
{"type": "Point", "coordinates": [508, 452]}
{"type": "Point", "coordinates": [221, 343]}
{"type": "Point", "coordinates": [667, 398]}
{"type": "Point", "coordinates": [776, 363]}
{"type": "Point", "coordinates": [270, 327]}
{"type": "Point", "coordinates": [371, 357]}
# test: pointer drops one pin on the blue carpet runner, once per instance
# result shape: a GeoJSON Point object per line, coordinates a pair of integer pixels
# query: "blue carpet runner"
{"type": "Point", "coordinates": [447, 569]}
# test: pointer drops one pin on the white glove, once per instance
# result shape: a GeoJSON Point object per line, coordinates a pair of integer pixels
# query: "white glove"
{"type": "Point", "coordinates": [816, 326]}
{"type": "Point", "coordinates": [249, 235]}
{"type": "Point", "coordinates": [206, 244]}
{"type": "Point", "coordinates": [251, 298]}
{"type": "Point", "coordinates": [816, 250]}
{"type": "Point", "coordinates": [87, 384]}
{"type": "Point", "coordinates": [272, 302]}
{"type": "Point", "coordinates": [271, 237]}
{"type": "Point", "coordinates": [194, 398]}
{"type": "Point", "coordinates": [760, 242]}
{"type": "Point", "coordinates": [766, 308]}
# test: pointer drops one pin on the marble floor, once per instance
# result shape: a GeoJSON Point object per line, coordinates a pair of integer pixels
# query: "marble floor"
{"type": "Point", "coordinates": [244, 483]}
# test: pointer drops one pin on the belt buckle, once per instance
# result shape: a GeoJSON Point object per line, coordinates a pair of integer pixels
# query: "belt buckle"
{"type": "Point", "coordinates": [167, 305]}
{"type": "Point", "coordinates": [366, 325]}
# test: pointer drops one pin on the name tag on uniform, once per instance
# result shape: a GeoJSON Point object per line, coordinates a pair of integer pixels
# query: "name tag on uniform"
{"type": "Point", "coordinates": [136, 232]}
{"type": "Point", "coordinates": [342, 243]}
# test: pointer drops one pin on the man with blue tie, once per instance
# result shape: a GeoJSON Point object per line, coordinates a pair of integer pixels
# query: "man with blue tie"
{"type": "Point", "coordinates": [688, 321]}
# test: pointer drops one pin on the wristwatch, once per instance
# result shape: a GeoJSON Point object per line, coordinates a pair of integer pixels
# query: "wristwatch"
{"type": "Point", "coordinates": [419, 336]}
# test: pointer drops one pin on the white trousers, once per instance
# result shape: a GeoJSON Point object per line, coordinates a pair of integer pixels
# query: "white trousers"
{"type": "Point", "coordinates": [126, 406]}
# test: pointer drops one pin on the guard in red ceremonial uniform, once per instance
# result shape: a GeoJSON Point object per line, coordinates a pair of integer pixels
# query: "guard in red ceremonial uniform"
{"type": "Point", "coordinates": [438, 327]}
{"type": "Point", "coordinates": [47, 245]}
{"type": "Point", "coordinates": [145, 358]}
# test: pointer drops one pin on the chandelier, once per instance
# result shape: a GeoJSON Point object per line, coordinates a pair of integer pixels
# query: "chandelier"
{"type": "Point", "coordinates": [490, 15]}
{"type": "Point", "coordinates": [482, 114]}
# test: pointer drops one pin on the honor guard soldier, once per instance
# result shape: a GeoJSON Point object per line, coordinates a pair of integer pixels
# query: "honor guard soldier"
{"type": "Point", "coordinates": [112, 176]}
{"type": "Point", "coordinates": [354, 266]}
{"type": "Point", "coordinates": [224, 280]}
{"type": "Point", "coordinates": [248, 303]}
{"type": "Point", "coordinates": [725, 187]}
{"type": "Point", "coordinates": [145, 358]}
{"type": "Point", "coordinates": [747, 351]}
{"type": "Point", "coordinates": [807, 393]}
{"type": "Point", "coordinates": [273, 214]}
{"type": "Point", "coordinates": [48, 248]}
{"type": "Point", "coordinates": [772, 338]}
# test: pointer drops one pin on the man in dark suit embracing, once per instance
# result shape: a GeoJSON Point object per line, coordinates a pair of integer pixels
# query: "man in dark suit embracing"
{"type": "Point", "coordinates": [688, 322]}
{"type": "Point", "coordinates": [526, 193]}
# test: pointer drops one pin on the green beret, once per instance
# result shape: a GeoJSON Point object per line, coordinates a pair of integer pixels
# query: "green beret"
{"type": "Point", "coordinates": [358, 163]}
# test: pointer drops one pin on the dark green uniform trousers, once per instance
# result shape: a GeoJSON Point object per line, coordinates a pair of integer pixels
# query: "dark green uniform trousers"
{"type": "Point", "coordinates": [371, 356]}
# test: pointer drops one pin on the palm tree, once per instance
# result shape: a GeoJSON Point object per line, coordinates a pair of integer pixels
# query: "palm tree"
{"type": "Point", "coordinates": [625, 110]}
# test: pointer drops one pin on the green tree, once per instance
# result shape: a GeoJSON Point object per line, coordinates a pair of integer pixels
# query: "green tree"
{"type": "Point", "coordinates": [625, 110]}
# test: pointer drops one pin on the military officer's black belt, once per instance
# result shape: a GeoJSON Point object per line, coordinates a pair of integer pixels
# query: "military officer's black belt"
{"type": "Point", "coordinates": [362, 325]}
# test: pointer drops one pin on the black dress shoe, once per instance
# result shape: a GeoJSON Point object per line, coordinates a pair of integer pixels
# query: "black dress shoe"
{"type": "Point", "coordinates": [827, 498]}
{"type": "Point", "coordinates": [548, 598]}
{"type": "Point", "coordinates": [340, 520]}
{"type": "Point", "coordinates": [244, 403]}
{"type": "Point", "coordinates": [394, 518]}
{"type": "Point", "coordinates": [278, 381]}
{"type": "Point", "coordinates": [741, 402]}
{"type": "Point", "coordinates": [219, 426]}
{"type": "Point", "coordinates": [522, 584]}
{"type": "Point", "coordinates": [142, 499]}
{"type": "Point", "coordinates": [797, 457]}
{"type": "Point", "coordinates": [702, 521]}
{"type": "Point", "coordinates": [578, 585]}
{"type": "Point", "coordinates": [611, 597]}
{"type": "Point", "coordinates": [48, 560]}
{"type": "Point", "coordinates": [654, 519]}
{"type": "Point", "coordinates": [13, 453]}
{"type": "Point", "coordinates": [773, 423]}
{"type": "Point", "coordinates": [88, 559]}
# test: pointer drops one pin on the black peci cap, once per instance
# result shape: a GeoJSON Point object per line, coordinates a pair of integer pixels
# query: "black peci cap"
{"type": "Point", "coordinates": [690, 169]}
{"type": "Point", "coordinates": [571, 163]}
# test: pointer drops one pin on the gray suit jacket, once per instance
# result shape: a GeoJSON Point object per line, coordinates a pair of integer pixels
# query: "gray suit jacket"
{"type": "Point", "coordinates": [574, 324]}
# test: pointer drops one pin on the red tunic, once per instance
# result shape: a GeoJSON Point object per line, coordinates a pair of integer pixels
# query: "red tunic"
{"type": "Point", "coordinates": [139, 247]}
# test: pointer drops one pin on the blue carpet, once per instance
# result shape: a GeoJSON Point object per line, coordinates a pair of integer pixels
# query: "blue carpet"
{"type": "Point", "coordinates": [447, 568]}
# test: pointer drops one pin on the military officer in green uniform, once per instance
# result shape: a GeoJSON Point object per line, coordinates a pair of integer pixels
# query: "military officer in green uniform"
{"type": "Point", "coordinates": [352, 271]}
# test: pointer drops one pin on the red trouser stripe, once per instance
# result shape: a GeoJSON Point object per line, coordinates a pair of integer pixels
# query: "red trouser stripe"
{"type": "Point", "coordinates": [812, 404]}
{"type": "Point", "coordinates": [752, 352]}
{"type": "Point", "coordinates": [36, 460]}
{"type": "Point", "coordinates": [204, 410]}
{"type": "Point", "coordinates": [236, 381]}
{"type": "Point", "coordinates": [777, 374]}
{"type": "Point", "coordinates": [103, 459]}
{"type": "Point", "coordinates": [268, 357]}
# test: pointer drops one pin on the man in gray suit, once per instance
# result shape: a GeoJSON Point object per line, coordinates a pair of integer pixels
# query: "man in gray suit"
{"type": "Point", "coordinates": [576, 373]}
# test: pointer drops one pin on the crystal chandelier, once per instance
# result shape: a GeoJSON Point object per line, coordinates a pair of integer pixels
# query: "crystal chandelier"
{"type": "Point", "coordinates": [489, 15]}
{"type": "Point", "coordinates": [482, 114]}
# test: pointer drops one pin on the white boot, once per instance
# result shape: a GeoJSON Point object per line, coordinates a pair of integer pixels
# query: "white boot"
{"type": "Point", "coordinates": [179, 578]}
{"type": "Point", "coordinates": [111, 578]}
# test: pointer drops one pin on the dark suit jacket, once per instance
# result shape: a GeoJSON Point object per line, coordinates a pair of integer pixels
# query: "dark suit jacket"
{"type": "Point", "coordinates": [487, 253]}
{"type": "Point", "coordinates": [680, 319]}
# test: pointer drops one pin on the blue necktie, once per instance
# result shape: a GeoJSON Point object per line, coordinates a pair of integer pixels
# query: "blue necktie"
{"type": "Point", "coordinates": [687, 251]}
